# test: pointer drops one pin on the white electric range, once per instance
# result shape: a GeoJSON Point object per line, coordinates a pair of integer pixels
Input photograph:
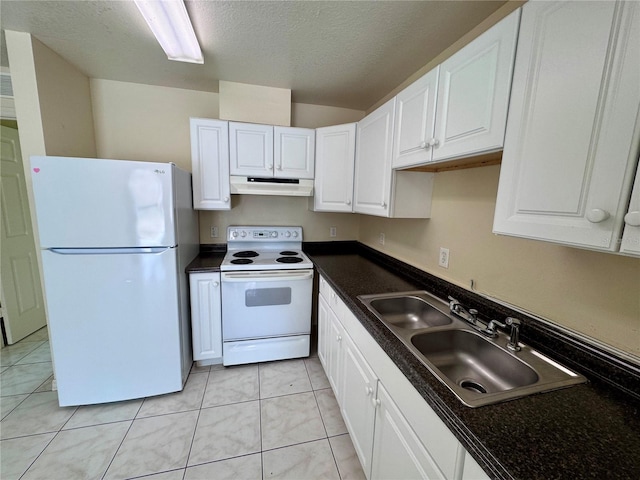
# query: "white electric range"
{"type": "Point", "coordinates": [267, 284]}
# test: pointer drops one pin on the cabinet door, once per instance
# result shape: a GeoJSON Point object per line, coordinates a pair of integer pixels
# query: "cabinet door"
{"type": "Point", "coordinates": [251, 149]}
{"type": "Point", "coordinates": [294, 152]}
{"type": "Point", "coordinates": [415, 122]}
{"type": "Point", "coordinates": [335, 157]}
{"type": "Point", "coordinates": [359, 403]}
{"type": "Point", "coordinates": [206, 315]}
{"type": "Point", "coordinates": [397, 451]}
{"type": "Point", "coordinates": [323, 332]}
{"type": "Point", "coordinates": [210, 164]}
{"type": "Point", "coordinates": [374, 144]}
{"type": "Point", "coordinates": [569, 153]}
{"type": "Point", "coordinates": [631, 234]}
{"type": "Point", "coordinates": [473, 93]}
{"type": "Point", "coordinates": [335, 355]}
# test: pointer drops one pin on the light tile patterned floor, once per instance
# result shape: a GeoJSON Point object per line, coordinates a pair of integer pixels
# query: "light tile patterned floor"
{"type": "Point", "coordinates": [276, 420]}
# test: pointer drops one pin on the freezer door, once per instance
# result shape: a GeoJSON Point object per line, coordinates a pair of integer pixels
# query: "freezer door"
{"type": "Point", "coordinates": [114, 324]}
{"type": "Point", "coordinates": [84, 202]}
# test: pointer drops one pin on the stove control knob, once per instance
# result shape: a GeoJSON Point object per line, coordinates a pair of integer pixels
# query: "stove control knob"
{"type": "Point", "coordinates": [234, 234]}
{"type": "Point", "coordinates": [274, 234]}
{"type": "Point", "coordinates": [243, 234]}
{"type": "Point", "coordinates": [287, 234]}
{"type": "Point", "coordinates": [295, 234]}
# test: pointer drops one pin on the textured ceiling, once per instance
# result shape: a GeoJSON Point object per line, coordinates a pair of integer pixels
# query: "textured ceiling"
{"type": "Point", "coordinates": [339, 53]}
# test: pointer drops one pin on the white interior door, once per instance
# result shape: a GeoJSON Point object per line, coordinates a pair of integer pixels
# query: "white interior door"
{"type": "Point", "coordinates": [22, 304]}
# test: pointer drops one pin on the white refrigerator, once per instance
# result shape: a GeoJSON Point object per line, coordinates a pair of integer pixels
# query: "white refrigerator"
{"type": "Point", "coordinates": [115, 237]}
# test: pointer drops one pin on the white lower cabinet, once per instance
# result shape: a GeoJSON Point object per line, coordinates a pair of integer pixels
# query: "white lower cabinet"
{"type": "Point", "coordinates": [359, 401]}
{"type": "Point", "coordinates": [393, 430]}
{"type": "Point", "coordinates": [397, 451]}
{"type": "Point", "coordinates": [206, 317]}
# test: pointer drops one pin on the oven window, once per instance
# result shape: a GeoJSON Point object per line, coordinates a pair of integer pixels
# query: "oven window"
{"type": "Point", "coordinates": [261, 297]}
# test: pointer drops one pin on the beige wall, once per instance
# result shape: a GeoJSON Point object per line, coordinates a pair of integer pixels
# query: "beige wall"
{"type": "Point", "coordinates": [265, 210]}
{"type": "Point", "coordinates": [65, 104]}
{"type": "Point", "coordinates": [590, 292]}
{"type": "Point", "coordinates": [147, 123]}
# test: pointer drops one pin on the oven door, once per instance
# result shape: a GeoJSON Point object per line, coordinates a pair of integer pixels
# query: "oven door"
{"type": "Point", "coordinates": [259, 304]}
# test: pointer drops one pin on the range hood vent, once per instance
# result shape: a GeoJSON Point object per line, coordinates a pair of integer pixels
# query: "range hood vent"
{"type": "Point", "coordinates": [271, 186]}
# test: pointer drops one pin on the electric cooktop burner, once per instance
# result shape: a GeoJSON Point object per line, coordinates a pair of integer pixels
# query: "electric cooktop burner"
{"type": "Point", "coordinates": [288, 252]}
{"type": "Point", "coordinates": [246, 254]}
{"type": "Point", "coordinates": [289, 260]}
{"type": "Point", "coordinates": [241, 261]}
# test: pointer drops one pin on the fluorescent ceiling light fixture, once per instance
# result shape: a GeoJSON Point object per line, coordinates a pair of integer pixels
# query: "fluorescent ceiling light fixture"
{"type": "Point", "coordinates": [169, 22]}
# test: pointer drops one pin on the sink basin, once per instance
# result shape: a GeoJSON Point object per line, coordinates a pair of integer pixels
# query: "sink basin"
{"type": "Point", "coordinates": [473, 362]}
{"type": "Point", "coordinates": [478, 369]}
{"type": "Point", "coordinates": [409, 312]}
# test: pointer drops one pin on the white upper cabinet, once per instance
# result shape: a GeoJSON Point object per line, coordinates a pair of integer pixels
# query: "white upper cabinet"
{"type": "Point", "coordinates": [571, 145]}
{"type": "Point", "coordinates": [415, 122]}
{"type": "Point", "coordinates": [210, 164]}
{"type": "Point", "coordinates": [267, 151]}
{"type": "Point", "coordinates": [335, 157]}
{"type": "Point", "coordinates": [372, 187]}
{"type": "Point", "coordinates": [294, 152]}
{"type": "Point", "coordinates": [379, 190]}
{"type": "Point", "coordinates": [251, 149]}
{"type": "Point", "coordinates": [459, 109]}
{"type": "Point", "coordinates": [473, 93]}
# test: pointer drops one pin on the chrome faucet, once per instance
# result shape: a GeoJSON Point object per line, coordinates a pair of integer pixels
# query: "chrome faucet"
{"type": "Point", "coordinates": [491, 328]}
{"type": "Point", "coordinates": [514, 337]}
{"type": "Point", "coordinates": [471, 315]}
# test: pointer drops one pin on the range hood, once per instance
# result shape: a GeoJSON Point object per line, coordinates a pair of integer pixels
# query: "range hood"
{"type": "Point", "coordinates": [271, 186]}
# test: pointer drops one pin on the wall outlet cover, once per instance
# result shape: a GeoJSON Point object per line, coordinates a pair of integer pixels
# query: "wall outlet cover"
{"type": "Point", "coordinates": [443, 259]}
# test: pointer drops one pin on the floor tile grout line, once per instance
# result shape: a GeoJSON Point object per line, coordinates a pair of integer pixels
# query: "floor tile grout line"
{"type": "Point", "coordinates": [104, 474]}
{"type": "Point", "coordinates": [193, 437]}
{"type": "Point", "coordinates": [260, 424]}
{"type": "Point", "coordinates": [40, 454]}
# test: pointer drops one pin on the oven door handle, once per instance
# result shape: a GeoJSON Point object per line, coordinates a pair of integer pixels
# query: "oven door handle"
{"type": "Point", "coordinates": [267, 276]}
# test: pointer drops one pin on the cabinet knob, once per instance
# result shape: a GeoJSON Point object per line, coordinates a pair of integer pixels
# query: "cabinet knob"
{"type": "Point", "coordinates": [632, 219]}
{"type": "Point", "coordinates": [375, 402]}
{"type": "Point", "coordinates": [215, 284]}
{"type": "Point", "coordinates": [384, 204]}
{"type": "Point", "coordinates": [279, 167]}
{"type": "Point", "coordinates": [434, 142]}
{"type": "Point", "coordinates": [348, 202]}
{"type": "Point", "coordinates": [338, 338]}
{"type": "Point", "coordinates": [424, 145]}
{"type": "Point", "coordinates": [368, 390]}
{"type": "Point", "coordinates": [269, 167]}
{"type": "Point", "coordinates": [597, 215]}
{"type": "Point", "coordinates": [226, 199]}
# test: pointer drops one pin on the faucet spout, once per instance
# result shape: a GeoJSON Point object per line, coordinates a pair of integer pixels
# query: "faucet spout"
{"type": "Point", "coordinates": [470, 316]}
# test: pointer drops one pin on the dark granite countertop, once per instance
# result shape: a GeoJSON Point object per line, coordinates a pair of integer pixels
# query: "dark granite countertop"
{"type": "Point", "coordinates": [585, 431]}
{"type": "Point", "coordinates": [208, 260]}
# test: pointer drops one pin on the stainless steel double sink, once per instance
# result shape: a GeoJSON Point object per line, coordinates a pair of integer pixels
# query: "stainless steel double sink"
{"type": "Point", "coordinates": [479, 369]}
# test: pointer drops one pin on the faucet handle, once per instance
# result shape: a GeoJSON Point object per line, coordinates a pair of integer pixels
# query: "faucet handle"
{"type": "Point", "coordinates": [513, 321]}
{"type": "Point", "coordinates": [514, 337]}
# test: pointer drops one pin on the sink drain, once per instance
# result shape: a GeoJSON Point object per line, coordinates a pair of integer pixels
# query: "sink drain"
{"type": "Point", "coordinates": [473, 386]}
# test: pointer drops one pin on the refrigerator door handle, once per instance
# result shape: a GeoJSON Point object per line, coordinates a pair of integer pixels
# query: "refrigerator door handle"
{"type": "Point", "coordinates": [109, 251]}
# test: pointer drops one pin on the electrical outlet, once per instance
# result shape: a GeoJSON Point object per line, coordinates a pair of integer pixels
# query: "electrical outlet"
{"type": "Point", "coordinates": [214, 232]}
{"type": "Point", "coordinates": [443, 259]}
{"type": "Point", "coordinates": [332, 231]}
{"type": "Point", "coordinates": [381, 239]}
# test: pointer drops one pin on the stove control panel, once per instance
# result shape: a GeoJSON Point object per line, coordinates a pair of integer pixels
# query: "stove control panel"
{"type": "Point", "coordinates": [264, 234]}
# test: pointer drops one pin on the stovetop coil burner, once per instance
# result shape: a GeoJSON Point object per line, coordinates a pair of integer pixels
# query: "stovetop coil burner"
{"type": "Point", "coordinates": [241, 261]}
{"type": "Point", "coordinates": [288, 260]}
{"type": "Point", "coordinates": [288, 252]}
{"type": "Point", "coordinates": [246, 254]}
